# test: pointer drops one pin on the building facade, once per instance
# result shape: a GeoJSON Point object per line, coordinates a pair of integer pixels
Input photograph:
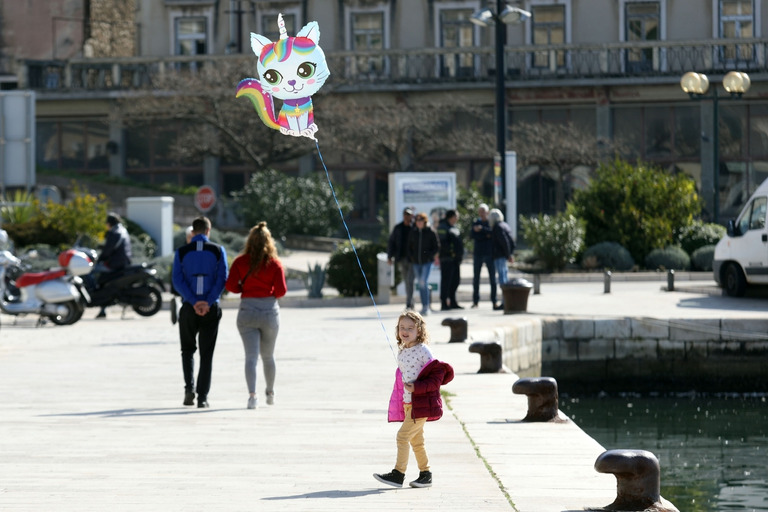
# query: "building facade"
{"type": "Point", "coordinates": [610, 67]}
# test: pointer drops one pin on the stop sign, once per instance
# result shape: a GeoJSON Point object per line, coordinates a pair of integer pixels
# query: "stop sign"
{"type": "Point", "coordinates": [205, 198]}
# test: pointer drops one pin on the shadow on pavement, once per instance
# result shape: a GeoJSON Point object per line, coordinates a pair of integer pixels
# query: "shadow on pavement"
{"type": "Point", "coordinates": [121, 413]}
{"type": "Point", "coordinates": [734, 304]}
{"type": "Point", "coordinates": [338, 493]}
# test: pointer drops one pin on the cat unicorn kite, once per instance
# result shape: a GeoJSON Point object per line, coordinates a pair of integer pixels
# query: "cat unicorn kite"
{"type": "Point", "coordinates": [291, 69]}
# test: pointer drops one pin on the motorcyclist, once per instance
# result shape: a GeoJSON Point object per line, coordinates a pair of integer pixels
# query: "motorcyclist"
{"type": "Point", "coordinates": [115, 253]}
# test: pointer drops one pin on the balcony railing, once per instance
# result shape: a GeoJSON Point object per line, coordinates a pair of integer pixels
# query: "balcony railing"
{"type": "Point", "coordinates": [429, 67]}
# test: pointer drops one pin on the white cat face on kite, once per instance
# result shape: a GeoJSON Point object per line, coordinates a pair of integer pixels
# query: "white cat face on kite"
{"type": "Point", "coordinates": [291, 67]}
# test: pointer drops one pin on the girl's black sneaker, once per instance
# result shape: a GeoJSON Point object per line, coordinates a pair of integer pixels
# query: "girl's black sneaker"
{"type": "Point", "coordinates": [424, 480]}
{"type": "Point", "coordinates": [393, 478]}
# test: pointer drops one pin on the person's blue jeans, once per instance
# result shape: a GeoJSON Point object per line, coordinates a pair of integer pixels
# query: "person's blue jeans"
{"type": "Point", "coordinates": [501, 270]}
{"type": "Point", "coordinates": [477, 267]}
{"type": "Point", "coordinates": [421, 272]}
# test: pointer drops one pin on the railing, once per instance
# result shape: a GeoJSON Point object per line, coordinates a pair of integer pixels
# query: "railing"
{"type": "Point", "coordinates": [429, 67]}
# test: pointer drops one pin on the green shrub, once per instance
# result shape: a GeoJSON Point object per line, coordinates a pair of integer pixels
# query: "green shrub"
{"type": "Point", "coordinates": [525, 256]}
{"type": "Point", "coordinates": [698, 234]}
{"type": "Point", "coordinates": [668, 258]}
{"type": "Point", "coordinates": [555, 240]}
{"type": "Point", "coordinates": [233, 242]}
{"type": "Point", "coordinates": [344, 272]}
{"type": "Point", "coordinates": [82, 215]}
{"type": "Point", "coordinates": [702, 258]}
{"type": "Point", "coordinates": [607, 255]}
{"type": "Point", "coordinates": [639, 206]}
{"type": "Point", "coordinates": [19, 208]}
{"type": "Point", "coordinates": [291, 205]}
{"type": "Point", "coordinates": [33, 232]}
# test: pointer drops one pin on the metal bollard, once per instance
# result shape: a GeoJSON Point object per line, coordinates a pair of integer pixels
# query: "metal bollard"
{"type": "Point", "coordinates": [458, 328]}
{"type": "Point", "coordinates": [670, 280]}
{"type": "Point", "coordinates": [542, 399]}
{"type": "Point", "coordinates": [607, 282]}
{"type": "Point", "coordinates": [384, 276]}
{"type": "Point", "coordinates": [490, 357]}
{"type": "Point", "coordinates": [536, 284]}
{"type": "Point", "coordinates": [637, 480]}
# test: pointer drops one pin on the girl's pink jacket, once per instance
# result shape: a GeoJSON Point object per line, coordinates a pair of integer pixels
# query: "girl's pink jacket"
{"type": "Point", "coordinates": [426, 399]}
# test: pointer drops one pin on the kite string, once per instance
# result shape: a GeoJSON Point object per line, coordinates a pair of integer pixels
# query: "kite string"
{"type": "Point", "coordinates": [349, 236]}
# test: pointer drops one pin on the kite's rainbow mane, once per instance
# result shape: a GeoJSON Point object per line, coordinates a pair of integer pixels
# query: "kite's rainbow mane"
{"type": "Point", "coordinates": [283, 48]}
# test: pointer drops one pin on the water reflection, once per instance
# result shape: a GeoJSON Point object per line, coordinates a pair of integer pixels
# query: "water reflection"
{"type": "Point", "coordinates": [712, 450]}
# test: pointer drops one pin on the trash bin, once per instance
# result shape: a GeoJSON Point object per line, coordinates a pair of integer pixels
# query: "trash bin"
{"type": "Point", "coordinates": [515, 294]}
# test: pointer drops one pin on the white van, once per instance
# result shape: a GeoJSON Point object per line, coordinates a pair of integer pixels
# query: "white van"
{"type": "Point", "coordinates": [741, 257]}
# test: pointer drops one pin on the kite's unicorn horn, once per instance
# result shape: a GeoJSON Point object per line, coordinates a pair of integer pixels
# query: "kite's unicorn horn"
{"type": "Point", "coordinates": [281, 25]}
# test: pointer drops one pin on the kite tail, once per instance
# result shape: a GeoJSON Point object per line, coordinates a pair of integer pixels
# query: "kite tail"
{"type": "Point", "coordinates": [262, 101]}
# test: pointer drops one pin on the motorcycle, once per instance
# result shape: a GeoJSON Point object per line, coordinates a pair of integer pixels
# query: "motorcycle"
{"type": "Point", "coordinates": [136, 286]}
{"type": "Point", "coordinates": [55, 294]}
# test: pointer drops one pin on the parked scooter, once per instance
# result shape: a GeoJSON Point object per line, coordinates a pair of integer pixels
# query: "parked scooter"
{"type": "Point", "coordinates": [57, 294]}
{"type": "Point", "coordinates": [136, 286]}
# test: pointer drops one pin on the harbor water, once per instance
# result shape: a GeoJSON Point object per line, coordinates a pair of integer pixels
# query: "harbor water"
{"type": "Point", "coordinates": [712, 450]}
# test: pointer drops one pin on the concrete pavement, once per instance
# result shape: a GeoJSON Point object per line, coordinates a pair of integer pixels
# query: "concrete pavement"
{"type": "Point", "coordinates": [92, 420]}
{"type": "Point", "coordinates": [92, 416]}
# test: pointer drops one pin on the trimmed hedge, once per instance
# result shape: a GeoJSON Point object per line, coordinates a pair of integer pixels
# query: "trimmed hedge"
{"type": "Point", "coordinates": [668, 258]}
{"type": "Point", "coordinates": [344, 272]}
{"type": "Point", "coordinates": [702, 258]}
{"type": "Point", "coordinates": [607, 255]}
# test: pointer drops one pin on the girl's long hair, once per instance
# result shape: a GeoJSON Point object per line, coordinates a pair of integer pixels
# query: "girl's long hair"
{"type": "Point", "coordinates": [260, 247]}
{"type": "Point", "coordinates": [422, 335]}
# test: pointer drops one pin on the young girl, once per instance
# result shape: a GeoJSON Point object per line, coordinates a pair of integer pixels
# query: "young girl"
{"type": "Point", "coordinates": [415, 398]}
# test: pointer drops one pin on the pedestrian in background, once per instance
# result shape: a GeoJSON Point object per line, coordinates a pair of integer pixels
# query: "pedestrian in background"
{"type": "Point", "coordinates": [423, 247]}
{"type": "Point", "coordinates": [115, 253]}
{"type": "Point", "coordinates": [451, 254]}
{"type": "Point", "coordinates": [415, 398]}
{"type": "Point", "coordinates": [482, 254]}
{"type": "Point", "coordinates": [397, 251]}
{"type": "Point", "coordinates": [503, 247]}
{"type": "Point", "coordinates": [199, 275]}
{"type": "Point", "coordinates": [258, 276]}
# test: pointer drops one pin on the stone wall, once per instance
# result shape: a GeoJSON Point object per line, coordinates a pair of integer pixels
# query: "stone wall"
{"type": "Point", "coordinates": [587, 355]}
{"type": "Point", "coordinates": [521, 344]}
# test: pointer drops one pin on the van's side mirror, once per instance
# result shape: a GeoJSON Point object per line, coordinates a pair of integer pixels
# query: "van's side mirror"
{"type": "Point", "coordinates": [732, 229]}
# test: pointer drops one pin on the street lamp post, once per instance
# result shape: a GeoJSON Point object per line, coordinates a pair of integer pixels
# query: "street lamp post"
{"type": "Point", "coordinates": [696, 86]}
{"type": "Point", "coordinates": [504, 15]}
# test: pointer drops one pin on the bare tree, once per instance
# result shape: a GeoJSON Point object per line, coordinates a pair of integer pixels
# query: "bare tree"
{"type": "Point", "coordinates": [559, 149]}
{"type": "Point", "coordinates": [396, 135]}
{"type": "Point", "coordinates": [400, 136]}
{"type": "Point", "coordinates": [216, 123]}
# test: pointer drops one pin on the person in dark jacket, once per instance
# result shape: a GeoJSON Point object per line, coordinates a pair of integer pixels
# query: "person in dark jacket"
{"type": "Point", "coordinates": [199, 274]}
{"type": "Point", "coordinates": [481, 235]}
{"type": "Point", "coordinates": [115, 253]}
{"type": "Point", "coordinates": [451, 254]}
{"type": "Point", "coordinates": [503, 248]}
{"type": "Point", "coordinates": [423, 247]}
{"type": "Point", "coordinates": [397, 251]}
{"type": "Point", "coordinates": [415, 398]}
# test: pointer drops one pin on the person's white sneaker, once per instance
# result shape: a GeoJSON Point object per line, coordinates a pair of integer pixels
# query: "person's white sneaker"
{"type": "Point", "coordinates": [252, 402]}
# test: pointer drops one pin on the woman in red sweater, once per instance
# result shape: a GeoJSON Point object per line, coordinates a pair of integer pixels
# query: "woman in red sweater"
{"type": "Point", "coordinates": [258, 276]}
